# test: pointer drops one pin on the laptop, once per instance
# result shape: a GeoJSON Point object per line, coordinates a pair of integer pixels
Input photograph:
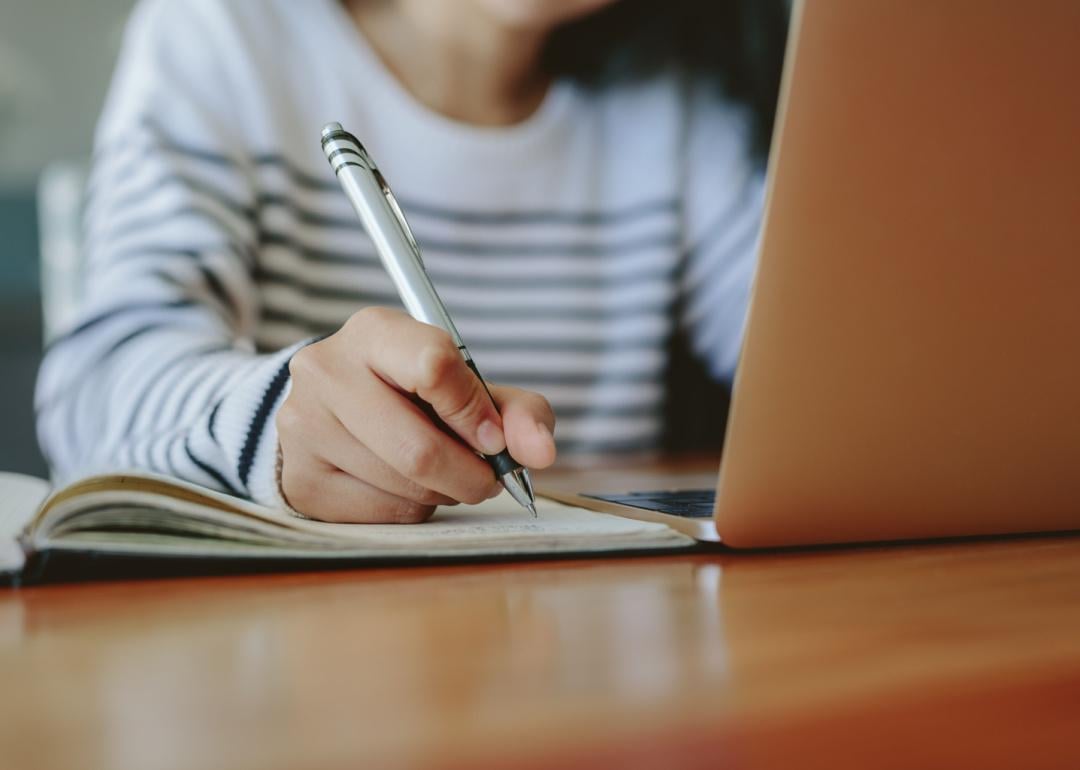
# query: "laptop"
{"type": "Point", "coordinates": [911, 363]}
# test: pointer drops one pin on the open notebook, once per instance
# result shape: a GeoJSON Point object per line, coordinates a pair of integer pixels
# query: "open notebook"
{"type": "Point", "coordinates": [148, 517]}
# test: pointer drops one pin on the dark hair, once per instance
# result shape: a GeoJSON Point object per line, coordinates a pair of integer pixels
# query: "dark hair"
{"type": "Point", "coordinates": [737, 44]}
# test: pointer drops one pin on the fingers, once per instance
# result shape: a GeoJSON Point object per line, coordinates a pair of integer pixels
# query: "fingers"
{"type": "Point", "coordinates": [325, 493]}
{"type": "Point", "coordinates": [338, 448]}
{"type": "Point", "coordinates": [528, 423]}
{"type": "Point", "coordinates": [382, 419]}
{"type": "Point", "coordinates": [424, 360]}
{"type": "Point", "coordinates": [399, 434]}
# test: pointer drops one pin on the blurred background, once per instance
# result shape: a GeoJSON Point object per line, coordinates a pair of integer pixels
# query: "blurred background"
{"type": "Point", "coordinates": [55, 61]}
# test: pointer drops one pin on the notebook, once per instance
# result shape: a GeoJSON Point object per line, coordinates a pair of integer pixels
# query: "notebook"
{"type": "Point", "coordinates": [91, 525]}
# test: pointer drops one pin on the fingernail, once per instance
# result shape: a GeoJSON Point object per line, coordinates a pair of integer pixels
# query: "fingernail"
{"type": "Point", "coordinates": [544, 431]}
{"type": "Point", "coordinates": [490, 438]}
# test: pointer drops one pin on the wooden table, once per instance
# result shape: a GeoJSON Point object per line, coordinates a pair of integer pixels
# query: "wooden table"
{"type": "Point", "coordinates": [910, 656]}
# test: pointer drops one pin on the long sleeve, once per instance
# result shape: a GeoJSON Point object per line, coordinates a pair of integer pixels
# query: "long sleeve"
{"type": "Point", "coordinates": [159, 371]}
{"type": "Point", "coordinates": [723, 206]}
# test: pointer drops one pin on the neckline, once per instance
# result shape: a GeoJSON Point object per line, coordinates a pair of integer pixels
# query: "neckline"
{"type": "Point", "coordinates": [556, 104]}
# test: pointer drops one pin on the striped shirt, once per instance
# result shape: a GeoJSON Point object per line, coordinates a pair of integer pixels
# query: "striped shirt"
{"type": "Point", "coordinates": [568, 248]}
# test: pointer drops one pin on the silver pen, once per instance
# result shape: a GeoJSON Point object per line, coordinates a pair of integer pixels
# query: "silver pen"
{"type": "Point", "coordinates": [385, 224]}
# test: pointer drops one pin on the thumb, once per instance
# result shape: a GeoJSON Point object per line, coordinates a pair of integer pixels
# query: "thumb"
{"type": "Point", "coordinates": [528, 425]}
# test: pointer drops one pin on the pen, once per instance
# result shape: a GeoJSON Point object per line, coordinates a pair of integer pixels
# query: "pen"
{"type": "Point", "coordinates": [370, 196]}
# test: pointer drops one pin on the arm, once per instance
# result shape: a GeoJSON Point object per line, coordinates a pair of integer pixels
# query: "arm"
{"type": "Point", "coordinates": [158, 372]}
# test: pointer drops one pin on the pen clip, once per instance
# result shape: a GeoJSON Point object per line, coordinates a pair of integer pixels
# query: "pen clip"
{"type": "Point", "coordinates": [396, 209]}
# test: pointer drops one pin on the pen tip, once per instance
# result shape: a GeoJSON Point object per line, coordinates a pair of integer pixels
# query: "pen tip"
{"type": "Point", "coordinates": [517, 483]}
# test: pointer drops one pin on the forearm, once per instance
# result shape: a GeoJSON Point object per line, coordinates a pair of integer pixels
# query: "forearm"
{"type": "Point", "coordinates": [162, 390]}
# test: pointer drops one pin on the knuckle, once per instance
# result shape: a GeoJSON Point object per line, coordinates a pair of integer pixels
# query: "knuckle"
{"type": "Point", "coordinates": [370, 319]}
{"type": "Point", "coordinates": [423, 495]}
{"type": "Point", "coordinates": [438, 358]}
{"type": "Point", "coordinates": [364, 318]}
{"type": "Point", "coordinates": [393, 511]}
{"type": "Point", "coordinates": [420, 458]}
{"type": "Point", "coordinates": [411, 513]}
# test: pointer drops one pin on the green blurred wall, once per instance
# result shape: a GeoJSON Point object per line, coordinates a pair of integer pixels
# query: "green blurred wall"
{"type": "Point", "coordinates": [55, 60]}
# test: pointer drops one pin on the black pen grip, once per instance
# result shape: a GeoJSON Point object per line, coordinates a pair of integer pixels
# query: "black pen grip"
{"type": "Point", "coordinates": [503, 463]}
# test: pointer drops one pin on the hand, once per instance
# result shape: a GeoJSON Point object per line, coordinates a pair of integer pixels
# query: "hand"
{"type": "Point", "coordinates": [358, 441]}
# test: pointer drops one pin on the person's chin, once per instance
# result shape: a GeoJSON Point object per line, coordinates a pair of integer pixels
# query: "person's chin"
{"type": "Point", "coordinates": [543, 13]}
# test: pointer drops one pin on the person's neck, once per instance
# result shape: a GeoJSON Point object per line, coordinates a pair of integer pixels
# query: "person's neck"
{"type": "Point", "coordinates": [474, 71]}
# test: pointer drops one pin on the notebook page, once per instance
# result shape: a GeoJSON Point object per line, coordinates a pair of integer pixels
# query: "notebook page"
{"type": "Point", "coordinates": [20, 497]}
{"type": "Point", "coordinates": [498, 526]}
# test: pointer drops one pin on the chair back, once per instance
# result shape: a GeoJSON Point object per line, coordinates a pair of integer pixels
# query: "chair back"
{"type": "Point", "coordinates": [60, 198]}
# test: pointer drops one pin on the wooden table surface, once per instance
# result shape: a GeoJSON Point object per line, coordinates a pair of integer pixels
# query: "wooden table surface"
{"type": "Point", "coordinates": [909, 656]}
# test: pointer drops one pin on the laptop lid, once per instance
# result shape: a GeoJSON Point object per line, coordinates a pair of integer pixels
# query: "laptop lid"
{"type": "Point", "coordinates": [912, 360]}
